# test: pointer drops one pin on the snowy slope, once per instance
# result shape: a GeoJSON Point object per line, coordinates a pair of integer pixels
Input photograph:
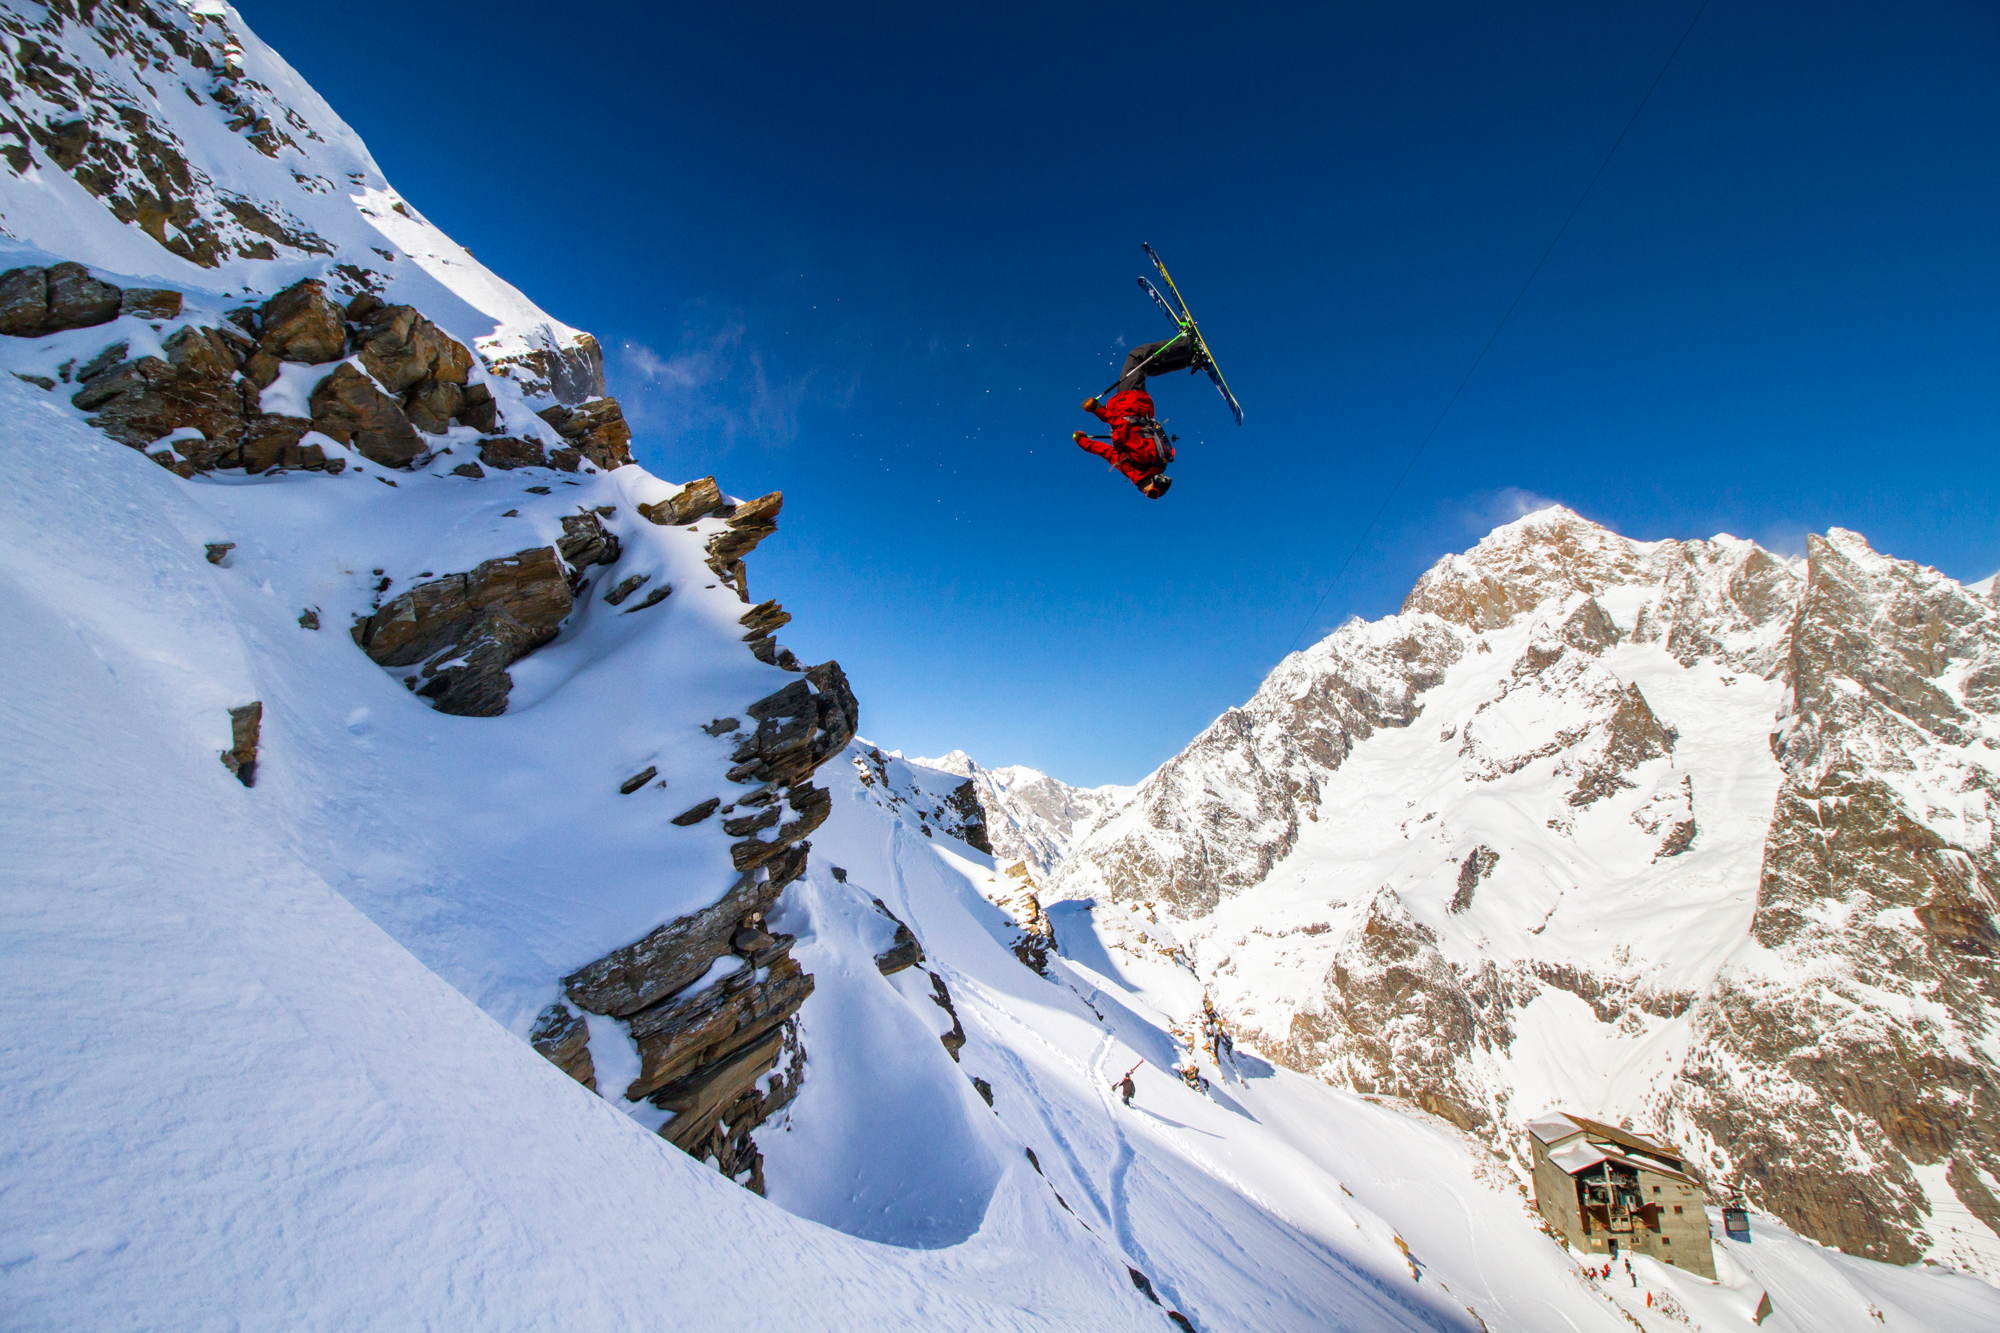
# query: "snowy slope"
{"type": "Point", "coordinates": [163, 141]}
{"type": "Point", "coordinates": [269, 1056]}
{"type": "Point", "coordinates": [1674, 832]}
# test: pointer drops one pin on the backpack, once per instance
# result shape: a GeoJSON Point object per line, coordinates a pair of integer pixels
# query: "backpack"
{"type": "Point", "coordinates": [1163, 443]}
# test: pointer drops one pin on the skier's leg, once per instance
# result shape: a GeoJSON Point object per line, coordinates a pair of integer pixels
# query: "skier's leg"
{"type": "Point", "coordinates": [1160, 358]}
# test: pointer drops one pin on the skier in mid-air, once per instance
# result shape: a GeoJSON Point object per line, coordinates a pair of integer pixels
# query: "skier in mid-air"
{"type": "Point", "coordinates": [1139, 447]}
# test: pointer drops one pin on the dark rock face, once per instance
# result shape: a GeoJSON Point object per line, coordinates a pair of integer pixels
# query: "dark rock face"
{"type": "Point", "coordinates": [137, 402]}
{"type": "Point", "coordinates": [702, 1053]}
{"type": "Point", "coordinates": [563, 1038]}
{"type": "Point", "coordinates": [246, 724]}
{"type": "Point", "coordinates": [300, 323]}
{"type": "Point", "coordinates": [964, 802]}
{"type": "Point", "coordinates": [596, 429]}
{"type": "Point", "coordinates": [39, 301]}
{"type": "Point", "coordinates": [348, 407]}
{"type": "Point", "coordinates": [1478, 865]}
{"type": "Point", "coordinates": [749, 524]}
{"type": "Point", "coordinates": [697, 499]}
{"type": "Point", "coordinates": [570, 371]}
{"type": "Point", "coordinates": [1862, 894]}
{"type": "Point", "coordinates": [505, 454]}
{"type": "Point", "coordinates": [464, 630]}
{"type": "Point", "coordinates": [77, 300]}
{"type": "Point", "coordinates": [402, 350]}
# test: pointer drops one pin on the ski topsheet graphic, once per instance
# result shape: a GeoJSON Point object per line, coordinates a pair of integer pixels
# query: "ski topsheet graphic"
{"type": "Point", "coordinates": [1185, 321]}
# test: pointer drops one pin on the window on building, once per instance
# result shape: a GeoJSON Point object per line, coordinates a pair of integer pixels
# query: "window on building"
{"type": "Point", "coordinates": [1666, 1240]}
{"type": "Point", "coordinates": [1677, 1208]}
{"type": "Point", "coordinates": [1656, 1189]}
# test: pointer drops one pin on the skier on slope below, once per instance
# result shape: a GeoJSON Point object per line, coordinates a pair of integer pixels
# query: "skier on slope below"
{"type": "Point", "coordinates": [1138, 447]}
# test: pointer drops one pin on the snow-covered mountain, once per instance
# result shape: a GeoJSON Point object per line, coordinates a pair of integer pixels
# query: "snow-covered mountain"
{"type": "Point", "coordinates": [1030, 816]}
{"type": "Point", "coordinates": [1682, 833]}
{"type": "Point", "coordinates": [432, 894]}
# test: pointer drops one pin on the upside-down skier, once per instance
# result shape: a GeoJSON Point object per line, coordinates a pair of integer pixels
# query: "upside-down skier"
{"type": "Point", "coordinates": [1139, 447]}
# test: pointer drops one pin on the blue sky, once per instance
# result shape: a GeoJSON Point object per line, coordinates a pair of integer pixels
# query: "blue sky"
{"type": "Point", "coordinates": [874, 256]}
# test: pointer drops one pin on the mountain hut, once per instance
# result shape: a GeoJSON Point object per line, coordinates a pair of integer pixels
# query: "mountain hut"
{"type": "Point", "coordinates": [1607, 1190]}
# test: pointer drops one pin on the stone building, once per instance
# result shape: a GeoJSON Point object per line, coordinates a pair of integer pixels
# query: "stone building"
{"type": "Point", "coordinates": [1608, 1191]}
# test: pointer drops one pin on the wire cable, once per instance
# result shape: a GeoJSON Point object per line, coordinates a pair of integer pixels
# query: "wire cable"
{"type": "Point", "coordinates": [1495, 335]}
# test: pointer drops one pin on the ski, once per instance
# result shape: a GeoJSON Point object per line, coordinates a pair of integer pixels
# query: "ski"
{"type": "Point", "coordinates": [1185, 321]}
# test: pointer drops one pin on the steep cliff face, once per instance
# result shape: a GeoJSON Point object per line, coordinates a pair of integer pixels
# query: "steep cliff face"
{"type": "Point", "coordinates": [172, 182]}
{"type": "Point", "coordinates": [1682, 832]}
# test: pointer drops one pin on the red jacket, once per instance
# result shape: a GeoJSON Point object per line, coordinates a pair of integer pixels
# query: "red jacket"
{"type": "Point", "coordinates": [1130, 449]}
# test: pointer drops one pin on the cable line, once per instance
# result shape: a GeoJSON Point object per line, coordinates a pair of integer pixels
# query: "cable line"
{"type": "Point", "coordinates": [1494, 336]}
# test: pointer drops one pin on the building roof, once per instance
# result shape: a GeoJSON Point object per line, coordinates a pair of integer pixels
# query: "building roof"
{"type": "Point", "coordinates": [1601, 1142]}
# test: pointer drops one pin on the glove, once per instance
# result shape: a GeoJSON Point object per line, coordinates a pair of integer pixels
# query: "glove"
{"type": "Point", "coordinates": [1090, 405]}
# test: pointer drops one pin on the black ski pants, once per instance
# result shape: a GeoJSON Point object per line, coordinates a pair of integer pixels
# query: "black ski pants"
{"type": "Point", "coordinates": [1141, 361]}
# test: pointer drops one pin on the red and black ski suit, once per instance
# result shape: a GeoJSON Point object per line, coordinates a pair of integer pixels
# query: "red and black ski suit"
{"type": "Point", "coordinates": [1136, 448]}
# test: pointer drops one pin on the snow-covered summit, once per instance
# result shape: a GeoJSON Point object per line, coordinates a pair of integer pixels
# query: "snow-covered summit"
{"type": "Point", "coordinates": [1595, 823]}
{"type": "Point", "coordinates": [1031, 816]}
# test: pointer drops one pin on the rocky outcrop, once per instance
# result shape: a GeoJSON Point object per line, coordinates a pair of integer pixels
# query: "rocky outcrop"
{"type": "Point", "coordinates": [35, 302]}
{"type": "Point", "coordinates": [595, 429]}
{"type": "Point", "coordinates": [246, 725]}
{"type": "Point", "coordinates": [463, 631]}
{"type": "Point", "coordinates": [710, 998]}
{"type": "Point", "coordinates": [349, 408]}
{"type": "Point", "coordinates": [109, 128]}
{"type": "Point", "coordinates": [563, 1039]}
{"type": "Point", "coordinates": [140, 401]}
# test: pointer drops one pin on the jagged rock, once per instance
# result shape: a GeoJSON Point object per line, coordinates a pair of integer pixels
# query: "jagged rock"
{"type": "Point", "coordinates": [586, 541]}
{"type": "Point", "coordinates": [903, 952]}
{"type": "Point", "coordinates": [309, 618]}
{"type": "Point", "coordinates": [24, 301]}
{"type": "Point", "coordinates": [638, 780]}
{"type": "Point", "coordinates": [627, 980]}
{"type": "Point", "coordinates": [506, 453]}
{"type": "Point", "coordinates": [651, 599]}
{"type": "Point", "coordinates": [466, 629]}
{"type": "Point", "coordinates": [150, 302]}
{"type": "Point", "coordinates": [300, 323]}
{"type": "Point", "coordinates": [763, 620]}
{"type": "Point", "coordinates": [679, 1036]}
{"type": "Point", "coordinates": [700, 1098]}
{"type": "Point", "coordinates": [696, 814]}
{"type": "Point", "coordinates": [570, 370]}
{"type": "Point", "coordinates": [478, 409]}
{"type": "Point", "coordinates": [432, 404]}
{"type": "Point", "coordinates": [749, 524]}
{"type": "Point", "coordinates": [954, 1040]}
{"type": "Point", "coordinates": [217, 552]}
{"type": "Point", "coordinates": [472, 470]}
{"type": "Point", "coordinates": [107, 358]}
{"type": "Point", "coordinates": [77, 300]}
{"type": "Point", "coordinates": [273, 441]}
{"type": "Point", "coordinates": [964, 802]}
{"type": "Point", "coordinates": [347, 407]}
{"type": "Point", "coordinates": [245, 725]}
{"type": "Point", "coordinates": [1478, 865]}
{"type": "Point", "coordinates": [402, 349]}
{"type": "Point", "coordinates": [626, 587]}
{"type": "Point", "coordinates": [137, 402]}
{"type": "Point", "coordinates": [597, 429]}
{"type": "Point", "coordinates": [697, 499]}
{"type": "Point", "coordinates": [563, 1039]}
